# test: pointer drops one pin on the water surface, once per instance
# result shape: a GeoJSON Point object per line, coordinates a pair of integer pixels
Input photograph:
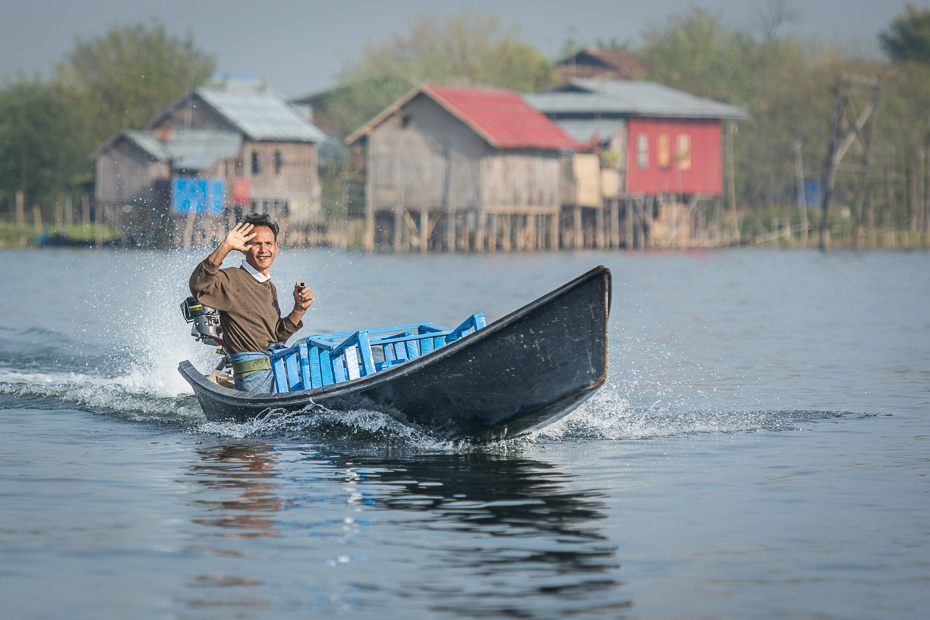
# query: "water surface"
{"type": "Point", "coordinates": [760, 449]}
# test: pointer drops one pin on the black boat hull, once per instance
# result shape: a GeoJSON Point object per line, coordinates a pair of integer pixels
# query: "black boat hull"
{"type": "Point", "coordinates": [514, 376]}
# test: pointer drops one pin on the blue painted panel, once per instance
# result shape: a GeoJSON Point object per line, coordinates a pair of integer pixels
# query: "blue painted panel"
{"type": "Point", "coordinates": [339, 368]}
{"type": "Point", "coordinates": [413, 349]}
{"type": "Point", "coordinates": [812, 193]}
{"type": "Point", "coordinates": [472, 323]}
{"type": "Point", "coordinates": [364, 349]}
{"type": "Point", "coordinates": [292, 362]}
{"type": "Point", "coordinates": [197, 195]}
{"type": "Point", "coordinates": [426, 345]}
{"type": "Point", "coordinates": [307, 358]}
{"type": "Point", "coordinates": [326, 368]}
{"type": "Point", "coordinates": [280, 374]}
{"type": "Point", "coordinates": [400, 352]}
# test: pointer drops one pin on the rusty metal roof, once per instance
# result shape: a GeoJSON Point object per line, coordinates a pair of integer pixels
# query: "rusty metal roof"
{"type": "Point", "coordinates": [587, 98]}
{"type": "Point", "coordinates": [498, 115]}
{"type": "Point", "coordinates": [502, 118]}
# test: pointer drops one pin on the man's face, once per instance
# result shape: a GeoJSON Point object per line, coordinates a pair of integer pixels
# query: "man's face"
{"type": "Point", "coordinates": [262, 249]}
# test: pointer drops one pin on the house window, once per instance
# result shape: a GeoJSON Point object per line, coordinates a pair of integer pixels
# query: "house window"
{"type": "Point", "coordinates": [642, 151]}
{"type": "Point", "coordinates": [663, 151]}
{"type": "Point", "coordinates": [683, 153]}
{"type": "Point", "coordinates": [278, 163]}
{"type": "Point", "coordinates": [256, 168]}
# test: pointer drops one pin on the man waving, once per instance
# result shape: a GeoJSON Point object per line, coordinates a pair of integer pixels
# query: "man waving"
{"type": "Point", "coordinates": [248, 301]}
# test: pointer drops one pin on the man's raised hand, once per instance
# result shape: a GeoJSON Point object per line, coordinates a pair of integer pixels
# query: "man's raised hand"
{"type": "Point", "coordinates": [238, 237]}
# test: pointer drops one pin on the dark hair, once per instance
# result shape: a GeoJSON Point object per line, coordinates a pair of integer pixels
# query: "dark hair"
{"type": "Point", "coordinates": [262, 219]}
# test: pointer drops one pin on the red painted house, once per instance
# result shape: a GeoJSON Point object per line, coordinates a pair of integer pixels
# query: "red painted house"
{"type": "Point", "coordinates": [665, 141]}
{"type": "Point", "coordinates": [674, 156]}
{"type": "Point", "coordinates": [662, 147]}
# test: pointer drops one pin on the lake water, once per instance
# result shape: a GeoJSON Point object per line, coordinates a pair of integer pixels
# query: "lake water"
{"type": "Point", "coordinates": [761, 449]}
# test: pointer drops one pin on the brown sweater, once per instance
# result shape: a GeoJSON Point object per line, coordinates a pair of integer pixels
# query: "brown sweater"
{"type": "Point", "coordinates": [249, 311]}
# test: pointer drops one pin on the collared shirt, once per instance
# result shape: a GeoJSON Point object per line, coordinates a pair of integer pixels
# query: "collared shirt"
{"type": "Point", "coordinates": [249, 311]}
{"type": "Point", "coordinates": [255, 272]}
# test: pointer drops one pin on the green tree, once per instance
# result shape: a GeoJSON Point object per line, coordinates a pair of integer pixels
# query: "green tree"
{"type": "Point", "coordinates": [908, 37]}
{"type": "Point", "coordinates": [464, 49]}
{"type": "Point", "coordinates": [783, 84]}
{"type": "Point", "coordinates": [122, 78]}
{"type": "Point", "coordinates": [697, 52]}
{"type": "Point", "coordinates": [39, 154]}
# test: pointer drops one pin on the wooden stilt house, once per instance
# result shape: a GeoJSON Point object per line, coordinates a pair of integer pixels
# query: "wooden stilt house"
{"type": "Point", "coordinates": [245, 139]}
{"type": "Point", "coordinates": [462, 169]}
{"type": "Point", "coordinates": [662, 158]}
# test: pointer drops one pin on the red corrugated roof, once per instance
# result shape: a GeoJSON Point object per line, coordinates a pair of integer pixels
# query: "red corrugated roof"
{"type": "Point", "coordinates": [502, 118]}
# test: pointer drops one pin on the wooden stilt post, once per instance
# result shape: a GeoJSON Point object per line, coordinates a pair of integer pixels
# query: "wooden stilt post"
{"type": "Point", "coordinates": [85, 208]}
{"type": "Point", "coordinates": [369, 242]}
{"type": "Point", "coordinates": [648, 207]}
{"type": "Point", "coordinates": [424, 230]}
{"type": "Point", "coordinates": [615, 224]}
{"type": "Point", "coordinates": [530, 232]}
{"type": "Point", "coordinates": [926, 200]}
{"type": "Point", "coordinates": [20, 216]}
{"type": "Point", "coordinates": [59, 211]}
{"type": "Point", "coordinates": [628, 217]}
{"type": "Point", "coordinates": [492, 240]}
{"type": "Point", "coordinates": [37, 218]}
{"type": "Point", "coordinates": [731, 183]}
{"type": "Point", "coordinates": [69, 211]}
{"type": "Point", "coordinates": [398, 231]}
{"type": "Point", "coordinates": [450, 230]}
{"type": "Point", "coordinates": [554, 230]}
{"type": "Point", "coordinates": [505, 241]}
{"type": "Point", "coordinates": [578, 241]}
{"type": "Point", "coordinates": [480, 234]}
{"type": "Point", "coordinates": [848, 121]}
{"type": "Point", "coordinates": [599, 237]}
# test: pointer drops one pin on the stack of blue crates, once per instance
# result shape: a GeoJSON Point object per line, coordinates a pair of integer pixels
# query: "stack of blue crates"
{"type": "Point", "coordinates": [319, 361]}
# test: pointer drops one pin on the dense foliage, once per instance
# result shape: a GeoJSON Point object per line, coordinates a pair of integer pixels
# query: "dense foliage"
{"type": "Point", "coordinates": [119, 80]}
{"type": "Point", "coordinates": [786, 86]}
{"type": "Point", "coordinates": [463, 49]}
{"type": "Point", "coordinates": [908, 38]}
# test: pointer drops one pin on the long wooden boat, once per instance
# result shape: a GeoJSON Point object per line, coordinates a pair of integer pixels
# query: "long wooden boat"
{"type": "Point", "coordinates": [513, 376]}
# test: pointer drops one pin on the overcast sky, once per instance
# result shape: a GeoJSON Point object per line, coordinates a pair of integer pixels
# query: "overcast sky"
{"type": "Point", "coordinates": [298, 47]}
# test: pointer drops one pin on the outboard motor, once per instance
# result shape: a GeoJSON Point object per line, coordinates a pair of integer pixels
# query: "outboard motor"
{"type": "Point", "coordinates": [206, 322]}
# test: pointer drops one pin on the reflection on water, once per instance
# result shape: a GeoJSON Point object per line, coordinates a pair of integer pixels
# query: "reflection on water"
{"type": "Point", "coordinates": [246, 474]}
{"type": "Point", "coordinates": [474, 533]}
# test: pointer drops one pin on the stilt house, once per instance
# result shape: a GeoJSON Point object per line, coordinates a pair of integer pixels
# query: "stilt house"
{"type": "Point", "coordinates": [261, 148]}
{"type": "Point", "coordinates": [453, 168]}
{"type": "Point", "coordinates": [664, 148]}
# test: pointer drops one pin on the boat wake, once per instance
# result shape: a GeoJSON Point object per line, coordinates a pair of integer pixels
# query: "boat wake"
{"type": "Point", "coordinates": [608, 415]}
{"type": "Point", "coordinates": [123, 395]}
